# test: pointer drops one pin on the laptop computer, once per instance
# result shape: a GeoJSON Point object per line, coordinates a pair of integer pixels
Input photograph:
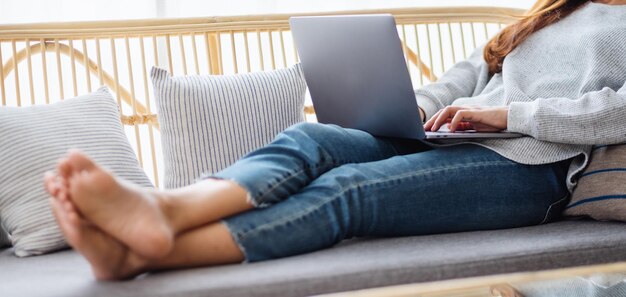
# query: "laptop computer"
{"type": "Point", "coordinates": [357, 76]}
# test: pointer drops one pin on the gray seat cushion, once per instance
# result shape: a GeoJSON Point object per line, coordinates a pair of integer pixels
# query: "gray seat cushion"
{"type": "Point", "coordinates": [354, 264]}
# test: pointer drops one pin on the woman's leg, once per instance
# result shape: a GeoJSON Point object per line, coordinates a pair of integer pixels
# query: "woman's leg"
{"type": "Point", "coordinates": [445, 190]}
{"type": "Point", "coordinates": [304, 152]}
{"type": "Point", "coordinates": [270, 174]}
{"type": "Point", "coordinates": [148, 220]}
{"type": "Point", "coordinates": [452, 189]}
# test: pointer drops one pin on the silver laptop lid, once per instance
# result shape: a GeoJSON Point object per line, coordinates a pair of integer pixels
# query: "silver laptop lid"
{"type": "Point", "coordinates": [357, 75]}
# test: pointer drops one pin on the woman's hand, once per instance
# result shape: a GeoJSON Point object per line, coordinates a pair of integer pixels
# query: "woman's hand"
{"type": "Point", "coordinates": [482, 119]}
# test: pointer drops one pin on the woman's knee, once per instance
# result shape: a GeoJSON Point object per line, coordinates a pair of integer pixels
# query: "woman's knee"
{"type": "Point", "coordinates": [312, 130]}
{"type": "Point", "coordinates": [305, 132]}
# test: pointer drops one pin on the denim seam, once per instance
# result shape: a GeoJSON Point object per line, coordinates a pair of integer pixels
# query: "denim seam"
{"type": "Point", "coordinates": [257, 200]}
{"type": "Point", "coordinates": [358, 185]}
{"type": "Point", "coordinates": [292, 175]}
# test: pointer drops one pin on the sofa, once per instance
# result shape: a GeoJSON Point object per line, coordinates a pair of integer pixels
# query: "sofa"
{"type": "Point", "coordinates": [353, 264]}
{"type": "Point", "coordinates": [433, 40]}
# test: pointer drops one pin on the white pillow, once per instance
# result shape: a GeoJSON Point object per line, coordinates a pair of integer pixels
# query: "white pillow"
{"type": "Point", "coordinates": [209, 121]}
{"type": "Point", "coordinates": [32, 139]}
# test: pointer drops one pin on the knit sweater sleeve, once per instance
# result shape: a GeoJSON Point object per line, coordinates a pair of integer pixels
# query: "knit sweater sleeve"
{"type": "Point", "coordinates": [465, 79]}
{"type": "Point", "coordinates": [597, 117]}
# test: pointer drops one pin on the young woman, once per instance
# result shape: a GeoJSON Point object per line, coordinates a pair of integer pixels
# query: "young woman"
{"type": "Point", "coordinates": [557, 75]}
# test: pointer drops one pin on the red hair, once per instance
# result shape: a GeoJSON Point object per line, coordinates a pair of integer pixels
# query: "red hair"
{"type": "Point", "coordinates": [542, 14]}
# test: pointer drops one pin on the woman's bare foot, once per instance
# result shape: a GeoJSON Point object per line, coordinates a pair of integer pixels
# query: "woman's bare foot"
{"type": "Point", "coordinates": [57, 183]}
{"type": "Point", "coordinates": [122, 210]}
{"type": "Point", "coordinates": [109, 258]}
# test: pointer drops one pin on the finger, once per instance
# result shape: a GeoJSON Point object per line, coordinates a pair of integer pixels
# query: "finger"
{"type": "Point", "coordinates": [430, 122]}
{"type": "Point", "coordinates": [437, 122]}
{"type": "Point", "coordinates": [466, 126]}
{"type": "Point", "coordinates": [447, 112]}
{"type": "Point", "coordinates": [479, 127]}
{"type": "Point", "coordinates": [460, 126]}
{"type": "Point", "coordinates": [462, 115]}
{"type": "Point", "coordinates": [463, 126]}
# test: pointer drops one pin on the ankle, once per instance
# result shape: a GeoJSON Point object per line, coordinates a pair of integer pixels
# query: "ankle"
{"type": "Point", "coordinates": [133, 266]}
{"type": "Point", "coordinates": [166, 202]}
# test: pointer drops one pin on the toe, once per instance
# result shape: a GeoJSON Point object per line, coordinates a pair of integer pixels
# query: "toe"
{"type": "Point", "coordinates": [50, 185]}
{"type": "Point", "coordinates": [73, 217]}
{"type": "Point", "coordinates": [69, 230]}
{"type": "Point", "coordinates": [64, 168]}
{"type": "Point", "coordinates": [79, 161]}
{"type": "Point", "coordinates": [62, 194]}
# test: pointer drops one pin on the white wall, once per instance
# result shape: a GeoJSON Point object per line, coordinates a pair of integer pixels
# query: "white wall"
{"type": "Point", "coordinates": [28, 11]}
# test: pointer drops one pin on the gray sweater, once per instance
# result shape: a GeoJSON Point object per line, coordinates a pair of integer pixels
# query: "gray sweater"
{"type": "Point", "coordinates": [565, 87]}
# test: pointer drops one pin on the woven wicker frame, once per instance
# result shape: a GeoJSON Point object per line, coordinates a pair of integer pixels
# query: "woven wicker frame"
{"type": "Point", "coordinates": [80, 56]}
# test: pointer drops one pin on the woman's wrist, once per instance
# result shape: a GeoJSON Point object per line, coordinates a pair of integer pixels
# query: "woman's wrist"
{"type": "Point", "coordinates": [422, 114]}
{"type": "Point", "coordinates": [520, 117]}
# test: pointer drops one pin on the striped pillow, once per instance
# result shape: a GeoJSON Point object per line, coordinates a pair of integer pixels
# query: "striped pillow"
{"type": "Point", "coordinates": [601, 190]}
{"type": "Point", "coordinates": [210, 121]}
{"type": "Point", "coordinates": [32, 139]}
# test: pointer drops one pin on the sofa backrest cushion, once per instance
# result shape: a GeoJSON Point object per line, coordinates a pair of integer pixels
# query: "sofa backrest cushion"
{"type": "Point", "coordinates": [601, 189]}
{"type": "Point", "coordinates": [209, 121]}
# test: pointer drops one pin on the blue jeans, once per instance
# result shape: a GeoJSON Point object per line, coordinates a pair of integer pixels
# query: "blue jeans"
{"type": "Point", "coordinates": [316, 185]}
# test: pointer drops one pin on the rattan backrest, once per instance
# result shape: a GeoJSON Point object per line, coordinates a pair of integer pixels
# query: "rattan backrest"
{"type": "Point", "coordinates": [81, 56]}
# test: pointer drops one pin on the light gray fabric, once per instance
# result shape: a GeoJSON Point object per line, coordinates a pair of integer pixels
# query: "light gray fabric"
{"type": "Point", "coordinates": [564, 85]}
{"type": "Point", "coordinates": [354, 264]}
{"type": "Point", "coordinates": [208, 122]}
{"type": "Point", "coordinates": [601, 190]}
{"type": "Point", "coordinates": [33, 139]}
